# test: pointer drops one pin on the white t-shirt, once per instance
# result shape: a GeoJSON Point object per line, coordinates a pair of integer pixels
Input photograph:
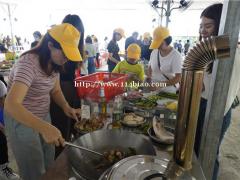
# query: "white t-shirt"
{"type": "Point", "coordinates": [96, 45]}
{"type": "Point", "coordinates": [233, 86]}
{"type": "Point", "coordinates": [234, 82]}
{"type": "Point", "coordinates": [206, 82]}
{"type": "Point", "coordinates": [84, 67]}
{"type": "Point", "coordinates": [169, 65]}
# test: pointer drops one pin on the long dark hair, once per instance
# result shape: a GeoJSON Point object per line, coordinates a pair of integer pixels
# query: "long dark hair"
{"type": "Point", "coordinates": [213, 12]}
{"type": "Point", "coordinates": [114, 36]}
{"type": "Point", "coordinates": [88, 40]}
{"type": "Point", "coordinates": [76, 21]}
{"type": "Point", "coordinates": [44, 54]}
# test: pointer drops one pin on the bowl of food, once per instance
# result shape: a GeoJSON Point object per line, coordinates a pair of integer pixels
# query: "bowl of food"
{"type": "Point", "coordinates": [166, 139]}
{"type": "Point", "coordinates": [160, 134]}
{"type": "Point", "coordinates": [89, 125]}
{"type": "Point", "coordinates": [133, 120]}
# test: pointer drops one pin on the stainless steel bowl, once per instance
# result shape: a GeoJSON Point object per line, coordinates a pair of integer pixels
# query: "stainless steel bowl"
{"type": "Point", "coordinates": [154, 138]}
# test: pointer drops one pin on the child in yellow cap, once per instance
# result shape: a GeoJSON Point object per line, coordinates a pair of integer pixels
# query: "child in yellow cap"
{"type": "Point", "coordinates": [130, 66]}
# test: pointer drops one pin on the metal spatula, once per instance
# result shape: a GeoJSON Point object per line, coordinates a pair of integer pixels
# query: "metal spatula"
{"type": "Point", "coordinates": [83, 148]}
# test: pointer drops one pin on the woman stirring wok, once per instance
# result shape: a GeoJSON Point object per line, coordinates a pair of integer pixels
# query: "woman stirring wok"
{"type": "Point", "coordinates": [32, 81]}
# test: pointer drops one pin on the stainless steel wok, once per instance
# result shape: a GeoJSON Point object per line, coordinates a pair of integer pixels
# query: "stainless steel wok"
{"type": "Point", "coordinates": [85, 164]}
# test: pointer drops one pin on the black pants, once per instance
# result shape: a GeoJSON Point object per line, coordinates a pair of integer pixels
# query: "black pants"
{"type": "Point", "coordinates": [3, 148]}
{"type": "Point", "coordinates": [58, 117]}
{"type": "Point", "coordinates": [97, 59]}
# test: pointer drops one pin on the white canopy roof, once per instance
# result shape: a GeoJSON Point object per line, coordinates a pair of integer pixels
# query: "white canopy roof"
{"type": "Point", "coordinates": [100, 17]}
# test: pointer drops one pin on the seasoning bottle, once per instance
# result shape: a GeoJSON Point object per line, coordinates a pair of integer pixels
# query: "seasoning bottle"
{"type": "Point", "coordinates": [102, 103]}
{"type": "Point", "coordinates": [117, 108]}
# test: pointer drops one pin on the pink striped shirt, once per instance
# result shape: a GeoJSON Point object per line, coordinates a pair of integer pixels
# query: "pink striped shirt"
{"type": "Point", "coordinates": [27, 70]}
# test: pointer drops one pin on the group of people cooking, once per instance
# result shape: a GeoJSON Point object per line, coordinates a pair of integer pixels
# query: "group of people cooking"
{"type": "Point", "coordinates": [45, 74]}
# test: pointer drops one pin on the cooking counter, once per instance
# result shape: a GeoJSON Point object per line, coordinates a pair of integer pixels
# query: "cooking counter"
{"type": "Point", "coordinates": [61, 169]}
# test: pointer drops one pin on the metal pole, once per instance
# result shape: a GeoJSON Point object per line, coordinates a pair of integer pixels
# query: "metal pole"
{"type": "Point", "coordinates": [11, 28]}
{"type": "Point", "coordinates": [161, 18]}
{"type": "Point", "coordinates": [168, 12]}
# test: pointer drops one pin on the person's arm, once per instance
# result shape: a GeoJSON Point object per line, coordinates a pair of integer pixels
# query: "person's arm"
{"type": "Point", "coordinates": [174, 80]}
{"type": "Point", "coordinates": [110, 49]}
{"type": "Point", "coordinates": [60, 100]}
{"type": "Point", "coordinates": [13, 106]}
{"type": "Point", "coordinates": [116, 69]}
{"type": "Point", "coordinates": [94, 50]}
{"type": "Point", "coordinates": [111, 58]}
{"type": "Point", "coordinates": [149, 70]}
{"type": "Point", "coordinates": [141, 74]}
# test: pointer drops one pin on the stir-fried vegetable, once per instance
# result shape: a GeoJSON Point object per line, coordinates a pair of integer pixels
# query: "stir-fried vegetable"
{"type": "Point", "coordinates": [116, 155]}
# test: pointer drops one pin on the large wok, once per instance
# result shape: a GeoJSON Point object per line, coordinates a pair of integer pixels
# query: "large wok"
{"type": "Point", "coordinates": [85, 163]}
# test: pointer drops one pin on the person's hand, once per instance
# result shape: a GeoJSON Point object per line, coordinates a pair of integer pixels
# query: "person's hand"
{"type": "Point", "coordinates": [133, 77]}
{"type": "Point", "coordinates": [130, 75]}
{"type": "Point", "coordinates": [72, 113]}
{"type": "Point", "coordinates": [153, 88]}
{"type": "Point", "coordinates": [148, 79]}
{"type": "Point", "coordinates": [52, 135]}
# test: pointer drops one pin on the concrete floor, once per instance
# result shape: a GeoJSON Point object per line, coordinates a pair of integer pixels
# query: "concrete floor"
{"type": "Point", "coordinates": [230, 150]}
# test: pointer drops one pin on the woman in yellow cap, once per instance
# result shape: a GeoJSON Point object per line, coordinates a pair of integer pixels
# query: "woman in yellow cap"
{"type": "Point", "coordinates": [130, 66]}
{"type": "Point", "coordinates": [32, 81]}
{"type": "Point", "coordinates": [165, 65]}
{"type": "Point", "coordinates": [113, 49]}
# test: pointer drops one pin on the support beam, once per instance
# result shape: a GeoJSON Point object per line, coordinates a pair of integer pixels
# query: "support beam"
{"type": "Point", "coordinates": [11, 26]}
{"type": "Point", "coordinates": [222, 72]}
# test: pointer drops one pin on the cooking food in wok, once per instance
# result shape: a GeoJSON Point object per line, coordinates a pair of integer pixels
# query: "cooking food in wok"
{"type": "Point", "coordinates": [91, 166]}
{"type": "Point", "coordinates": [116, 155]}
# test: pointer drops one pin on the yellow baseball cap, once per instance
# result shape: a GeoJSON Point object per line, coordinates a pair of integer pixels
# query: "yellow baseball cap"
{"type": "Point", "coordinates": [68, 37]}
{"type": "Point", "coordinates": [120, 31]}
{"type": "Point", "coordinates": [159, 34]}
{"type": "Point", "coordinates": [134, 51]}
